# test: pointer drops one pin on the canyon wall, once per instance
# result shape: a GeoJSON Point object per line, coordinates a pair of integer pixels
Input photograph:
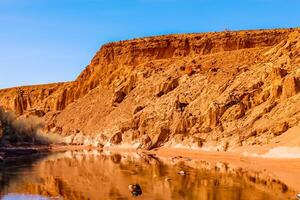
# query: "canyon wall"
{"type": "Point", "coordinates": [212, 90]}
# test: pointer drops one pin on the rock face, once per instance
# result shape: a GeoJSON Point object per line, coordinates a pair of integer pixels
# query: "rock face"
{"type": "Point", "coordinates": [217, 89]}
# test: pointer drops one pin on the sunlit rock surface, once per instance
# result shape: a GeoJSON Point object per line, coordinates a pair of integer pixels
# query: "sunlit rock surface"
{"type": "Point", "coordinates": [227, 89]}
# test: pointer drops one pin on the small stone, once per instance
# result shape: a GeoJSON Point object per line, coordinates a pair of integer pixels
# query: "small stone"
{"type": "Point", "coordinates": [182, 173]}
{"type": "Point", "coordinates": [168, 179]}
{"type": "Point", "coordinates": [176, 158]}
{"type": "Point", "coordinates": [135, 189]}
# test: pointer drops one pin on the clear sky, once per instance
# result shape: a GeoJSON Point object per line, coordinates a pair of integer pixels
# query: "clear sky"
{"type": "Point", "coordinates": [45, 41]}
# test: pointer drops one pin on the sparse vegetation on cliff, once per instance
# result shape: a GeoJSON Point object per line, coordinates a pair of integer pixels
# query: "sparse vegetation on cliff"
{"type": "Point", "coordinates": [20, 130]}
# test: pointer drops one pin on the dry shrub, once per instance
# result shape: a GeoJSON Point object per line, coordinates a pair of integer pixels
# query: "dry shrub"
{"type": "Point", "coordinates": [21, 129]}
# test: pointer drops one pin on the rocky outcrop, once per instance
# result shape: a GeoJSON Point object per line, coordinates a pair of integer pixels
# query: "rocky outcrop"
{"type": "Point", "coordinates": [167, 86]}
{"type": "Point", "coordinates": [291, 86]}
{"type": "Point", "coordinates": [131, 53]}
{"type": "Point", "coordinates": [214, 89]}
{"type": "Point", "coordinates": [43, 98]}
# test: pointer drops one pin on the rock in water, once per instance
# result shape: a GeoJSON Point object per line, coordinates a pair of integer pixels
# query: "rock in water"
{"type": "Point", "coordinates": [135, 189]}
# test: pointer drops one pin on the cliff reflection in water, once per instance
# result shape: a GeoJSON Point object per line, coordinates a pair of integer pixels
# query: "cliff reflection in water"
{"type": "Point", "coordinates": [102, 175]}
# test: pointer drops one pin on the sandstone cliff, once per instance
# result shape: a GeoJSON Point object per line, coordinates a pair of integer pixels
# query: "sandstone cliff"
{"type": "Point", "coordinates": [220, 90]}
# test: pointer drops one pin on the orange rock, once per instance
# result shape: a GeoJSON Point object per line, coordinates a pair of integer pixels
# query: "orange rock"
{"type": "Point", "coordinates": [138, 82]}
{"type": "Point", "coordinates": [278, 72]}
{"type": "Point", "coordinates": [291, 86]}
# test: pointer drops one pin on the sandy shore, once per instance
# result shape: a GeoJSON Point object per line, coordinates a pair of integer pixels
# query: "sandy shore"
{"type": "Point", "coordinates": [286, 170]}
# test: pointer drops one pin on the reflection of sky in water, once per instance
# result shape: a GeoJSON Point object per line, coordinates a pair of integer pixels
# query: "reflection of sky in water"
{"type": "Point", "coordinates": [23, 197]}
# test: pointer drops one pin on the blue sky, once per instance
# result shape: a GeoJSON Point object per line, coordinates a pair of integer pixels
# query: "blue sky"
{"type": "Point", "coordinates": [45, 41]}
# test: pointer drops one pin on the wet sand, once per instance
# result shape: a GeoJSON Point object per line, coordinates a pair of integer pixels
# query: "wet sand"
{"type": "Point", "coordinates": [286, 170]}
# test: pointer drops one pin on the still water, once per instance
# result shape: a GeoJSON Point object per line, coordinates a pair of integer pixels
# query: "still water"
{"type": "Point", "coordinates": [104, 175]}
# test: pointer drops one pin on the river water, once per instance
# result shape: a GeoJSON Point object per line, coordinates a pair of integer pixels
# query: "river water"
{"type": "Point", "coordinates": [105, 175]}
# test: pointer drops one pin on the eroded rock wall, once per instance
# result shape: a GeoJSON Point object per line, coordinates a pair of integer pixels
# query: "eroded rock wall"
{"type": "Point", "coordinates": [217, 90]}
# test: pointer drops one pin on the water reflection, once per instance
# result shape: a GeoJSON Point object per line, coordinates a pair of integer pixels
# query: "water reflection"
{"type": "Point", "coordinates": [105, 175]}
{"type": "Point", "coordinates": [26, 197]}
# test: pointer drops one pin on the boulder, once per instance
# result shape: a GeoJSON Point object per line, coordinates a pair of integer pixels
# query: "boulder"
{"type": "Point", "coordinates": [145, 142]}
{"type": "Point", "coordinates": [119, 96]}
{"type": "Point", "coordinates": [279, 128]}
{"type": "Point", "coordinates": [116, 138]}
{"type": "Point", "coordinates": [278, 73]}
{"type": "Point", "coordinates": [276, 91]}
{"type": "Point", "coordinates": [291, 86]}
{"type": "Point", "coordinates": [234, 112]}
{"type": "Point", "coordinates": [160, 138]}
{"type": "Point", "coordinates": [166, 87]}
